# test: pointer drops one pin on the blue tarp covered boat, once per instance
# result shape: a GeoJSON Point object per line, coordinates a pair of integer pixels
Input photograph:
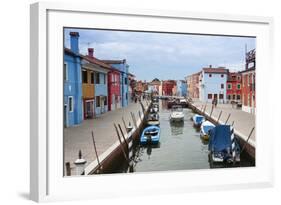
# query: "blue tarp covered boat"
{"type": "Point", "coordinates": [223, 145]}
{"type": "Point", "coordinates": [150, 135]}
{"type": "Point", "coordinates": [198, 119]}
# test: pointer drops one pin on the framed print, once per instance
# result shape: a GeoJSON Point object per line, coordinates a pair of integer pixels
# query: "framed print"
{"type": "Point", "coordinates": [123, 97]}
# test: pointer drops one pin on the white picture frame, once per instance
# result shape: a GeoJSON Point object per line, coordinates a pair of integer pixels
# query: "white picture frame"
{"type": "Point", "coordinates": [46, 180]}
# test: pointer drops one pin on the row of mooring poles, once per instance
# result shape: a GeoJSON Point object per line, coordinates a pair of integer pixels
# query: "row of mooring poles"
{"type": "Point", "coordinates": [80, 162]}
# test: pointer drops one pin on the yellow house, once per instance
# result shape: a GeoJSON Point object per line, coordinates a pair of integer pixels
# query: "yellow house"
{"type": "Point", "coordinates": [88, 92]}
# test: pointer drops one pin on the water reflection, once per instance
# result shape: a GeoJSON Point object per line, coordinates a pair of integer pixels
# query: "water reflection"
{"type": "Point", "coordinates": [176, 128]}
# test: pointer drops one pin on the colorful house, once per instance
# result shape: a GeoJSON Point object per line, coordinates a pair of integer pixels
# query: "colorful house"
{"type": "Point", "coordinates": [123, 67]}
{"type": "Point", "coordinates": [192, 82]}
{"type": "Point", "coordinates": [72, 91]}
{"type": "Point", "coordinates": [249, 83]}
{"type": "Point", "coordinates": [181, 88]}
{"type": "Point", "coordinates": [114, 94]}
{"type": "Point", "coordinates": [100, 71]}
{"type": "Point", "coordinates": [233, 87]}
{"type": "Point", "coordinates": [212, 84]}
{"type": "Point", "coordinates": [168, 87]}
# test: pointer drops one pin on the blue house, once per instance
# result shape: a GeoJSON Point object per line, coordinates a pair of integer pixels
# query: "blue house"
{"type": "Point", "coordinates": [100, 72]}
{"type": "Point", "coordinates": [72, 91]}
{"type": "Point", "coordinates": [123, 67]}
{"type": "Point", "coordinates": [181, 88]}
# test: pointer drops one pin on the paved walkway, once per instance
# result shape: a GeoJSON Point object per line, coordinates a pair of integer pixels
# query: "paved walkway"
{"type": "Point", "coordinates": [243, 121]}
{"type": "Point", "coordinates": [80, 137]}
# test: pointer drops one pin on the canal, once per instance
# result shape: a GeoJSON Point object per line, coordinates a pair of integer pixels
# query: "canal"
{"type": "Point", "coordinates": [180, 147]}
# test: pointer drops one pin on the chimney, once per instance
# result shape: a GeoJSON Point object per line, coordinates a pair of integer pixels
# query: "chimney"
{"type": "Point", "coordinates": [210, 66]}
{"type": "Point", "coordinates": [91, 52]}
{"type": "Point", "coordinates": [74, 42]}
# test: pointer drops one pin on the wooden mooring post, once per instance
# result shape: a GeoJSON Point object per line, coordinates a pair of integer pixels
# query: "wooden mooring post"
{"type": "Point", "coordinates": [247, 139]}
{"type": "Point", "coordinates": [227, 118]}
{"type": "Point", "coordinates": [122, 148]}
{"type": "Point", "coordinates": [219, 116]}
{"type": "Point", "coordinates": [124, 124]}
{"type": "Point", "coordinates": [97, 156]}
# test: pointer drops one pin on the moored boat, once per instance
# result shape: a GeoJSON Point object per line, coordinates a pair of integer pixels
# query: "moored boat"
{"type": "Point", "coordinates": [198, 120]}
{"type": "Point", "coordinates": [153, 119]}
{"type": "Point", "coordinates": [206, 126]}
{"type": "Point", "coordinates": [150, 135]}
{"type": "Point", "coordinates": [223, 145]}
{"type": "Point", "coordinates": [177, 114]}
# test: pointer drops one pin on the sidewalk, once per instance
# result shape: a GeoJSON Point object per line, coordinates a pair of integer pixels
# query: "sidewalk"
{"type": "Point", "coordinates": [80, 137]}
{"type": "Point", "coordinates": [243, 121]}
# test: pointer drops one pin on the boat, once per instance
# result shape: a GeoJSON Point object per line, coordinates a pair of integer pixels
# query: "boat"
{"type": "Point", "coordinates": [153, 119]}
{"type": "Point", "coordinates": [177, 114]}
{"type": "Point", "coordinates": [223, 145]}
{"type": "Point", "coordinates": [184, 103]}
{"type": "Point", "coordinates": [198, 120]}
{"type": "Point", "coordinates": [154, 108]}
{"type": "Point", "coordinates": [206, 126]}
{"type": "Point", "coordinates": [150, 135]}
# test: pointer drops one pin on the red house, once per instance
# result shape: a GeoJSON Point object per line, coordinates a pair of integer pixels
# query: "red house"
{"type": "Point", "coordinates": [114, 92]}
{"type": "Point", "coordinates": [234, 87]}
{"type": "Point", "coordinates": [168, 86]}
{"type": "Point", "coordinates": [249, 83]}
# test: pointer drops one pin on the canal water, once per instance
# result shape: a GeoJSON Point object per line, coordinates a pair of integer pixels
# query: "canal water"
{"type": "Point", "coordinates": [180, 147]}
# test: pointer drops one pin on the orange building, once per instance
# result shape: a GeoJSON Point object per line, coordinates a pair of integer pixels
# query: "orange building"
{"type": "Point", "coordinates": [193, 85]}
{"type": "Point", "coordinates": [249, 83]}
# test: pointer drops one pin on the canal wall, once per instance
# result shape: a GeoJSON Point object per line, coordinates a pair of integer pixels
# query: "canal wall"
{"type": "Point", "coordinates": [244, 142]}
{"type": "Point", "coordinates": [116, 156]}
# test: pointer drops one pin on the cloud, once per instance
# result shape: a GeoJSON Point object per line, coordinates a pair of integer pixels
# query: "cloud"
{"type": "Point", "coordinates": [166, 56]}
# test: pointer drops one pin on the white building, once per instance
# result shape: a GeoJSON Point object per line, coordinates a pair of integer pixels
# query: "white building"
{"type": "Point", "coordinates": [212, 84]}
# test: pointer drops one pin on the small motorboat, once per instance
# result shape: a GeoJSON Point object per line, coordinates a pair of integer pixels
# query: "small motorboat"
{"type": "Point", "coordinates": [153, 119]}
{"type": "Point", "coordinates": [223, 145]}
{"type": "Point", "coordinates": [150, 135]}
{"type": "Point", "coordinates": [206, 126]}
{"type": "Point", "coordinates": [198, 120]}
{"type": "Point", "coordinates": [155, 107]}
{"type": "Point", "coordinates": [177, 114]}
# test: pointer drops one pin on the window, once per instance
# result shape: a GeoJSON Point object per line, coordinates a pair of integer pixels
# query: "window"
{"type": "Point", "coordinates": [70, 103]}
{"type": "Point", "coordinates": [222, 86]}
{"type": "Point", "coordinates": [229, 86]}
{"type": "Point", "coordinates": [92, 77]}
{"type": "Point", "coordinates": [238, 86]}
{"type": "Point", "coordinates": [104, 79]}
{"type": "Point", "coordinates": [210, 75]}
{"type": "Point", "coordinates": [238, 78]}
{"type": "Point", "coordinates": [105, 100]}
{"type": "Point", "coordinates": [126, 81]}
{"type": "Point", "coordinates": [84, 76]}
{"type": "Point", "coordinates": [222, 75]}
{"type": "Point", "coordinates": [238, 97]}
{"type": "Point", "coordinates": [234, 97]}
{"type": "Point", "coordinates": [97, 78]}
{"type": "Point", "coordinates": [229, 97]}
{"type": "Point", "coordinates": [126, 96]}
{"type": "Point", "coordinates": [65, 72]}
{"type": "Point", "coordinates": [221, 96]}
{"type": "Point", "coordinates": [210, 96]}
{"type": "Point", "coordinates": [112, 78]}
{"type": "Point", "coordinates": [98, 101]}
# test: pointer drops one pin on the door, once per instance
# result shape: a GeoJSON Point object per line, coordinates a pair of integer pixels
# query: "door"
{"type": "Point", "coordinates": [65, 118]}
{"type": "Point", "coordinates": [102, 104]}
{"type": "Point", "coordinates": [89, 109]}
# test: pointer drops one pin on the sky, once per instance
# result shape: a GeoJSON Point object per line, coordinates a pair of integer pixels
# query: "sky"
{"type": "Point", "coordinates": [164, 55]}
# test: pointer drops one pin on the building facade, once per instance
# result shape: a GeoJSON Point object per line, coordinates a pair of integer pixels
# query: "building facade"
{"type": "Point", "coordinates": [168, 87]}
{"type": "Point", "coordinates": [181, 88]}
{"type": "Point", "coordinates": [114, 93]}
{"type": "Point", "coordinates": [100, 71]}
{"type": "Point", "coordinates": [212, 84]}
{"type": "Point", "coordinates": [72, 91]}
{"type": "Point", "coordinates": [192, 82]}
{"type": "Point", "coordinates": [123, 67]}
{"type": "Point", "coordinates": [249, 83]}
{"type": "Point", "coordinates": [234, 87]}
